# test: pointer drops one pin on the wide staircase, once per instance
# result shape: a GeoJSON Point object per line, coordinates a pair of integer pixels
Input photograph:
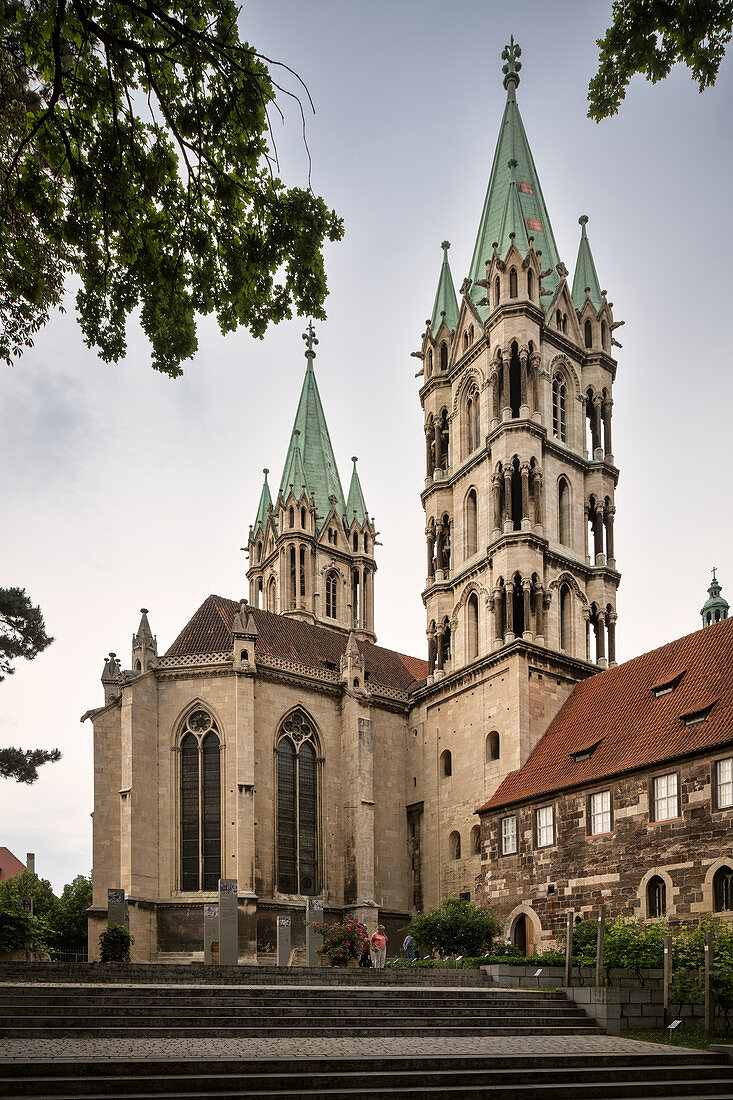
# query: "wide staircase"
{"type": "Point", "coordinates": [422, 1036]}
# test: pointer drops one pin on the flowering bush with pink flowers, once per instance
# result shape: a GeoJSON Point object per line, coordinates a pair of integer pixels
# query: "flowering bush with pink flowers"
{"type": "Point", "coordinates": [342, 940]}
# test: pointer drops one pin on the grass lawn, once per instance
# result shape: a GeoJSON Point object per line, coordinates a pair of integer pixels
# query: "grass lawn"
{"type": "Point", "coordinates": [681, 1037]}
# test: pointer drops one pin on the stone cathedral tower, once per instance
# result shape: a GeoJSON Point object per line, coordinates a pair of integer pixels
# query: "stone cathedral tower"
{"type": "Point", "coordinates": [519, 492]}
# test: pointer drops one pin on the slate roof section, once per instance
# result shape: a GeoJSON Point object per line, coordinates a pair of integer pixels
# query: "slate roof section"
{"type": "Point", "coordinates": [514, 195]}
{"type": "Point", "coordinates": [617, 710]}
{"type": "Point", "coordinates": [210, 631]}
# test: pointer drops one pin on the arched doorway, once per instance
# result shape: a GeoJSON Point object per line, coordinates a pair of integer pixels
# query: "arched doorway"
{"type": "Point", "coordinates": [523, 934]}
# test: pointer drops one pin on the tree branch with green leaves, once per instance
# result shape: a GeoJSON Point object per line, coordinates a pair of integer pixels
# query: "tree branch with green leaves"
{"type": "Point", "coordinates": [137, 152]}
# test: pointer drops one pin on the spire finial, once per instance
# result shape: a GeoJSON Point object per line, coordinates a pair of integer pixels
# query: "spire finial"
{"type": "Point", "coordinates": [310, 338]}
{"type": "Point", "coordinates": [265, 471]}
{"type": "Point", "coordinates": [354, 459]}
{"type": "Point", "coordinates": [511, 54]}
{"type": "Point", "coordinates": [445, 245]}
{"type": "Point", "coordinates": [582, 222]}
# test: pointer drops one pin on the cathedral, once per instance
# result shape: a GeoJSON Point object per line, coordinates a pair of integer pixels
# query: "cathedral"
{"type": "Point", "coordinates": [274, 742]}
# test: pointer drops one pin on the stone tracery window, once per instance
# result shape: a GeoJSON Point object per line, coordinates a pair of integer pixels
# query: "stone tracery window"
{"type": "Point", "coordinates": [331, 606]}
{"type": "Point", "coordinates": [559, 395]}
{"type": "Point", "coordinates": [200, 803]}
{"type": "Point", "coordinates": [297, 768]}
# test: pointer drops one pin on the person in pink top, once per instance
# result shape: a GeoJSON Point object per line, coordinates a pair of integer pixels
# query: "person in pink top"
{"type": "Point", "coordinates": [379, 946]}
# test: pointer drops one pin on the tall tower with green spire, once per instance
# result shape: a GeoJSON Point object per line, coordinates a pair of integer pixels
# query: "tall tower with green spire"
{"type": "Point", "coordinates": [516, 390]}
{"type": "Point", "coordinates": [311, 552]}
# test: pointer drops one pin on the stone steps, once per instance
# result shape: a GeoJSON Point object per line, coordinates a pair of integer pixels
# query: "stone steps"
{"type": "Point", "coordinates": [569, 1077]}
{"type": "Point", "coordinates": [175, 974]}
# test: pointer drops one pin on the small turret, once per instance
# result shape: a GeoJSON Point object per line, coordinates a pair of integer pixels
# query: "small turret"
{"type": "Point", "coordinates": [244, 639]}
{"type": "Point", "coordinates": [144, 645]}
{"type": "Point", "coordinates": [715, 607]}
{"type": "Point", "coordinates": [111, 678]}
{"type": "Point", "coordinates": [352, 665]}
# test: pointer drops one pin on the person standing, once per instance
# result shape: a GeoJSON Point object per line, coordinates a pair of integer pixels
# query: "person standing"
{"type": "Point", "coordinates": [408, 947]}
{"type": "Point", "coordinates": [379, 947]}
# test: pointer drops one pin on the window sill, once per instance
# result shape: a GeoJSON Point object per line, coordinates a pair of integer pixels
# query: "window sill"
{"type": "Point", "coordinates": [665, 820]}
{"type": "Point", "coordinates": [596, 836]}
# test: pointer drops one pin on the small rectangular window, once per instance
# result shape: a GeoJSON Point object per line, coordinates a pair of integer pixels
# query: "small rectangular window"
{"type": "Point", "coordinates": [724, 784]}
{"type": "Point", "coordinates": [665, 792]}
{"type": "Point", "coordinates": [508, 836]}
{"type": "Point", "coordinates": [696, 716]}
{"type": "Point", "coordinates": [600, 813]}
{"type": "Point", "coordinates": [544, 827]}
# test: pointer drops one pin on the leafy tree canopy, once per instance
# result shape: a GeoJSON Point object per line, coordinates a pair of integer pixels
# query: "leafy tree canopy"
{"type": "Point", "coordinates": [456, 927]}
{"type": "Point", "coordinates": [22, 634]}
{"type": "Point", "coordinates": [69, 918]}
{"type": "Point", "coordinates": [29, 885]}
{"type": "Point", "coordinates": [649, 37]}
{"type": "Point", "coordinates": [138, 152]}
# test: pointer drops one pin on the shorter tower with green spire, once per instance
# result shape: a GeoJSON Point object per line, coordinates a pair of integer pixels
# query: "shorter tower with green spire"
{"type": "Point", "coordinates": [311, 551]}
{"type": "Point", "coordinates": [716, 607]}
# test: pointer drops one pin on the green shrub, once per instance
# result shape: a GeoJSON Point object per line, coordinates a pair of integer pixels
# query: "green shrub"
{"type": "Point", "coordinates": [342, 940]}
{"type": "Point", "coordinates": [115, 943]}
{"type": "Point", "coordinates": [456, 927]}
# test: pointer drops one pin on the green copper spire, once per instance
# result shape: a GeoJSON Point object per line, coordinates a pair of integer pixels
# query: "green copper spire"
{"type": "Point", "coordinates": [264, 505]}
{"type": "Point", "coordinates": [445, 296]}
{"type": "Point", "coordinates": [514, 201]}
{"type": "Point", "coordinates": [355, 503]}
{"type": "Point", "coordinates": [310, 459]}
{"type": "Point", "coordinates": [585, 271]}
{"type": "Point", "coordinates": [716, 607]}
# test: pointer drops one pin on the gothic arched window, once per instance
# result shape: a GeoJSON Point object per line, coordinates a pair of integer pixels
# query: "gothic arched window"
{"type": "Point", "coordinates": [513, 283]}
{"type": "Point", "coordinates": [530, 285]}
{"type": "Point", "coordinates": [454, 842]}
{"type": "Point", "coordinates": [296, 757]}
{"type": "Point", "coordinates": [559, 395]}
{"type": "Point", "coordinates": [565, 619]}
{"type": "Point", "coordinates": [302, 571]}
{"type": "Point", "coordinates": [291, 517]}
{"type": "Point", "coordinates": [446, 763]}
{"type": "Point", "coordinates": [656, 897]}
{"type": "Point", "coordinates": [271, 595]}
{"type": "Point", "coordinates": [603, 335]}
{"type": "Point", "coordinates": [492, 746]}
{"type": "Point", "coordinates": [444, 356]}
{"type": "Point", "coordinates": [473, 416]}
{"type": "Point", "coordinates": [723, 890]}
{"type": "Point", "coordinates": [465, 341]}
{"type": "Point", "coordinates": [430, 361]}
{"type": "Point", "coordinates": [200, 803]}
{"type": "Point", "coordinates": [331, 606]}
{"type": "Point", "coordinates": [476, 840]}
{"type": "Point", "coordinates": [471, 523]}
{"type": "Point", "coordinates": [472, 627]}
{"type": "Point", "coordinates": [563, 512]}
{"type": "Point", "coordinates": [588, 328]}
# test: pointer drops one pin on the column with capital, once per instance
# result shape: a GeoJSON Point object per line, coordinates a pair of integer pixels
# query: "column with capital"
{"type": "Point", "coordinates": [494, 386]}
{"type": "Point", "coordinates": [598, 536]}
{"type": "Point", "coordinates": [498, 608]}
{"type": "Point", "coordinates": [611, 618]}
{"type": "Point", "coordinates": [430, 534]}
{"type": "Point", "coordinates": [537, 396]}
{"type": "Point", "coordinates": [439, 630]}
{"type": "Point", "coordinates": [596, 434]}
{"type": "Point", "coordinates": [437, 431]}
{"type": "Point", "coordinates": [610, 513]}
{"type": "Point", "coordinates": [524, 472]}
{"type": "Point", "coordinates": [496, 480]}
{"type": "Point", "coordinates": [539, 519]}
{"type": "Point", "coordinates": [506, 412]}
{"type": "Point", "coordinates": [526, 597]}
{"type": "Point", "coordinates": [541, 607]}
{"type": "Point", "coordinates": [524, 405]}
{"type": "Point", "coordinates": [430, 450]}
{"type": "Point", "coordinates": [606, 408]}
{"type": "Point", "coordinates": [431, 649]}
{"type": "Point", "coordinates": [508, 523]}
{"type": "Point", "coordinates": [601, 638]}
{"type": "Point", "coordinates": [509, 618]}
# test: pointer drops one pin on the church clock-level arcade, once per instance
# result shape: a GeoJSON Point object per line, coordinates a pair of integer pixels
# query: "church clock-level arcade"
{"type": "Point", "coordinates": [277, 744]}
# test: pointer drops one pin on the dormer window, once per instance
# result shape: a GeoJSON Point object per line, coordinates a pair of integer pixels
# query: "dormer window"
{"type": "Point", "coordinates": [584, 753]}
{"type": "Point", "coordinates": [697, 716]}
{"type": "Point", "coordinates": [666, 687]}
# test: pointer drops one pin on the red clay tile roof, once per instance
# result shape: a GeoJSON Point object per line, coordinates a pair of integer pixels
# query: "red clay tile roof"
{"type": "Point", "coordinates": [9, 864]}
{"type": "Point", "coordinates": [210, 631]}
{"type": "Point", "coordinates": [617, 710]}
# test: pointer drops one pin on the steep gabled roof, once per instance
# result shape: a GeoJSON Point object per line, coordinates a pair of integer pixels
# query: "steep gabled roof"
{"type": "Point", "coordinates": [585, 271]}
{"type": "Point", "coordinates": [514, 202]}
{"type": "Point", "coordinates": [445, 296]}
{"type": "Point", "coordinates": [631, 724]}
{"type": "Point", "coordinates": [310, 453]}
{"type": "Point", "coordinates": [355, 503]}
{"type": "Point", "coordinates": [210, 631]}
{"type": "Point", "coordinates": [10, 865]}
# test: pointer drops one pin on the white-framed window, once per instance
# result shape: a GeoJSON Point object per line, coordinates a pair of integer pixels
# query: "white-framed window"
{"type": "Point", "coordinates": [508, 835]}
{"type": "Point", "coordinates": [665, 796]}
{"type": "Point", "coordinates": [544, 826]}
{"type": "Point", "coordinates": [724, 783]}
{"type": "Point", "coordinates": [600, 812]}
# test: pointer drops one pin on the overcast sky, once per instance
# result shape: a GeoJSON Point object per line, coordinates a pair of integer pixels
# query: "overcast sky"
{"type": "Point", "coordinates": [125, 489]}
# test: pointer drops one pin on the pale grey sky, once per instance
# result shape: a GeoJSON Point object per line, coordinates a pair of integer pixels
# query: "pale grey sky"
{"type": "Point", "coordinates": [126, 489]}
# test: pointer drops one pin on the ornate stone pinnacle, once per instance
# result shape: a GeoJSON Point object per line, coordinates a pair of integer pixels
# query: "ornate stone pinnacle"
{"type": "Point", "coordinates": [310, 338]}
{"type": "Point", "coordinates": [511, 54]}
